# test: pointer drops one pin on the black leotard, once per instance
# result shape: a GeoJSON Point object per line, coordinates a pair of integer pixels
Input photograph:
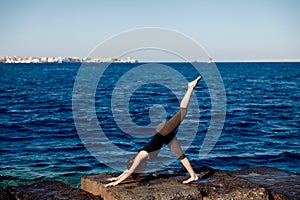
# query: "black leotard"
{"type": "Point", "coordinates": [165, 134]}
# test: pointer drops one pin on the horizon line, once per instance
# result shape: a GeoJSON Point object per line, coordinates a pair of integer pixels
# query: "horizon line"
{"type": "Point", "coordinates": [261, 60]}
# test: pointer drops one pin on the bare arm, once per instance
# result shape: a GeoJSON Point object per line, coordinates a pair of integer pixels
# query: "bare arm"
{"type": "Point", "coordinates": [141, 155]}
{"type": "Point", "coordinates": [116, 178]}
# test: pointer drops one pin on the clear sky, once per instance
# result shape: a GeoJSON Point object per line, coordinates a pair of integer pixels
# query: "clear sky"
{"type": "Point", "coordinates": [228, 29]}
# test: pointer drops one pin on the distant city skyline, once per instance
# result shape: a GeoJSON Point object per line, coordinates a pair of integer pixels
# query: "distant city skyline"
{"type": "Point", "coordinates": [228, 30]}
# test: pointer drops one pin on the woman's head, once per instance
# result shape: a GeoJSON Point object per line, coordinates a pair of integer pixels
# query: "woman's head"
{"type": "Point", "coordinates": [140, 168]}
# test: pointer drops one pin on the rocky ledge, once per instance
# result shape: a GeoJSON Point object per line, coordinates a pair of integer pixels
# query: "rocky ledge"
{"type": "Point", "coordinates": [263, 183]}
{"type": "Point", "coordinates": [45, 190]}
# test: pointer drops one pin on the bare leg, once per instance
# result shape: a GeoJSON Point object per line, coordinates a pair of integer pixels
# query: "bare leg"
{"type": "Point", "coordinates": [189, 168]}
{"type": "Point", "coordinates": [186, 99]}
{"type": "Point", "coordinates": [166, 128]}
{"type": "Point", "coordinates": [176, 149]}
{"type": "Point", "coordinates": [184, 104]}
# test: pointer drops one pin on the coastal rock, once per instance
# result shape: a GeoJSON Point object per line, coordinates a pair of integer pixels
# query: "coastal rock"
{"type": "Point", "coordinates": [149, 188]}
{"type": "Point", "coordinates": [240, 184]}
{"type": "Point", "coordinates": [6, 195]}
{"type": "Point", "coordinates": [261, 183]}
{"type": "Point", "coordinates": [221, 185]}
{"type": "Point", "coordinates": [48, 190]}
{"type": "Point", "coordinates": [212, 185]}
{"type": "Point", "coordinates": [281, 184]}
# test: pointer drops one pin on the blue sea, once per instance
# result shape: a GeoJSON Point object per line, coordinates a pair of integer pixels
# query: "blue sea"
{"type": "Point", "coordinates": [39, 139]}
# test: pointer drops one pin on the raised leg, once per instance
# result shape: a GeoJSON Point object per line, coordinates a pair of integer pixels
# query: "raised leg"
{"type": "Point", "coordinates": [186, 99]}
{"type": "Point", "coordinates": [166, 128]}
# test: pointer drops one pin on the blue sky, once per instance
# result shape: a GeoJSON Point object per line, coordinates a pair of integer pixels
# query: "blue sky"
{"type": "Point", "coordinates": [227, 29]}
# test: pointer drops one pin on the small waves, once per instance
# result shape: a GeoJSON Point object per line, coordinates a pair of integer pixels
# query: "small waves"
{"type": "Point", "coordinates": [284, 160]}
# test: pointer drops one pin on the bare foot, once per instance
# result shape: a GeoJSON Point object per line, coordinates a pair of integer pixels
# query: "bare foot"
{"type": "Point", "coordinates": [192, 178]}
{"type": "Point", "coordinates": [194, 82]}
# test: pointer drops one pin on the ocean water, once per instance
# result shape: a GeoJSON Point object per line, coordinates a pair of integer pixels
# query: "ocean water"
{"type": "Point", "coordinates": [39, 139]}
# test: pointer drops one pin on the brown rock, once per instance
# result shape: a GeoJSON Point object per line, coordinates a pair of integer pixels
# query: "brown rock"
{"type": "Point", "coordinates": [6, 195]}
{"type": "Point", "coordinates": [167, 185]}
{"type": "Point", "coordinates": [261, 183]}
{"type": "Point", "coordinates": [149, 188]}
{"type": "Point", "coordinates": [282, 185]}
{"type": "Point", "coordinates": [50, 190]}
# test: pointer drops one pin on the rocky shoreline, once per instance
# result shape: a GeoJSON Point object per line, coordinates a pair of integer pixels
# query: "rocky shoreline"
{"type": "Point", "coordinates": [261, 183]}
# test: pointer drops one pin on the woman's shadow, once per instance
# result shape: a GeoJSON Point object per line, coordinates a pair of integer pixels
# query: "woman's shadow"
{"type": "Point", "coordinates": [174, 174]}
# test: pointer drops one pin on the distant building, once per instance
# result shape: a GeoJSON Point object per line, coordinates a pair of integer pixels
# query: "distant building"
{"type": "Point", "coordinates": [60, 59]}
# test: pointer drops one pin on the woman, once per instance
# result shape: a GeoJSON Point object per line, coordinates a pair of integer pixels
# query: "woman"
{"type": "Point", "coordinates": [165, 134]}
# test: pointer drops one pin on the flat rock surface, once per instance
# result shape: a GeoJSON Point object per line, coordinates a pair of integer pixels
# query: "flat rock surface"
{"type": "Point", "coordinates": [280, 183]}
{"type": "Point", "coordinates": [149, 188]}
{"type": "Point", "coordinates": [48, 190]}
{"type": "Point", "coordinates": [213, 184]}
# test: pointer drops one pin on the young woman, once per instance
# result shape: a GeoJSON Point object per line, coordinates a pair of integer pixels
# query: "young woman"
{"type": "Point", "coordinates": [165, 134]}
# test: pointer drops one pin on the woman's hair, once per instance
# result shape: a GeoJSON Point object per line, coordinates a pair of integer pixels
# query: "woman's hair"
{"type": "Point", "coordinates": [140, 168]}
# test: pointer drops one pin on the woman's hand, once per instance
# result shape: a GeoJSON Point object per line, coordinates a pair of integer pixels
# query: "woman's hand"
{"type": "Point", "coordinates": [111, 184]}
{"type": "Point", "coordinates": [113, 179]}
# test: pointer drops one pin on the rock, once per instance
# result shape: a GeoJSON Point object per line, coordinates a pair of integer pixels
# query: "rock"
{"type": "Point", "coordinates": [282, 185]}
{"type": "Point", "coordinates": [49, 190]}
{"type": "Point", "coordinates": [149, 188]}
{"type": "Point", "coordinates": [168, 185]}
{"type": "Point", "coordinates": [262, 183]}
{"type": "Point", "coordinates": [6, 195]}
{"type": "Point", "coordinates": [222, 185]}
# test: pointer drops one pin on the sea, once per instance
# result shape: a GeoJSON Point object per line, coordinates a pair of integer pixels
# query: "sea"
{"type": "Point", "coordinates": [42, 139]}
